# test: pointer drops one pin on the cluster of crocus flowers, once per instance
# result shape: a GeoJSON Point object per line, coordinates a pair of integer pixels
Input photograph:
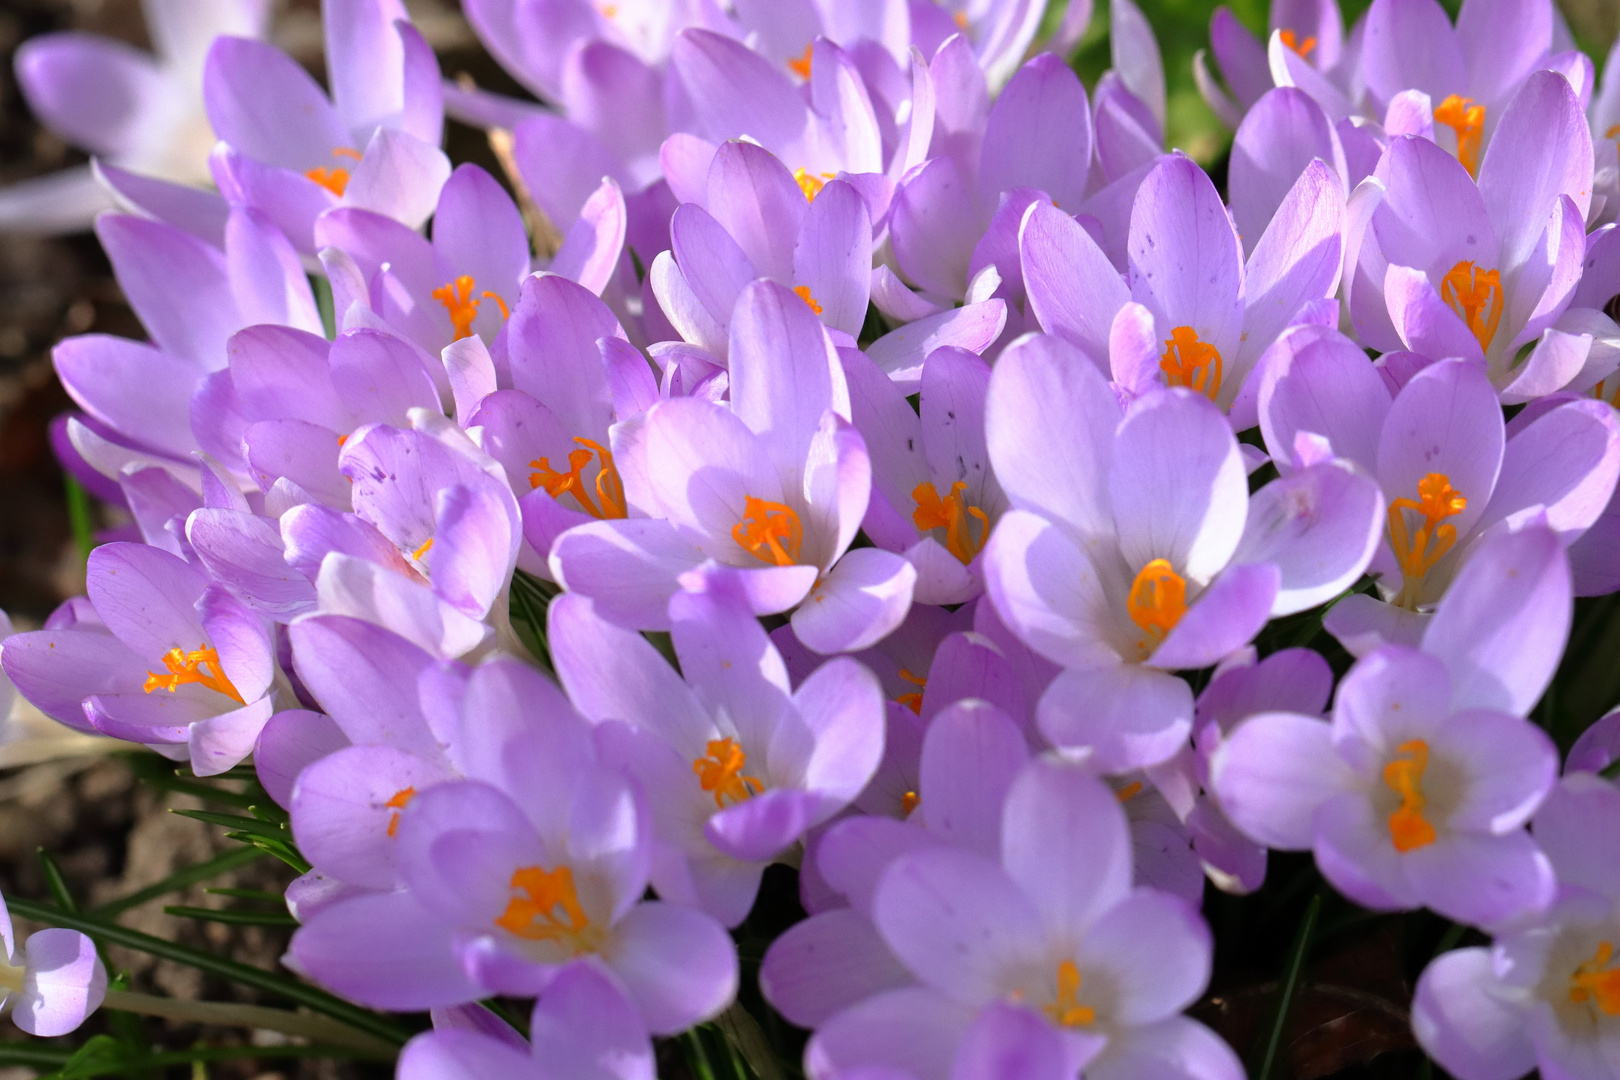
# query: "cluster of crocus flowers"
{"type": "Point", "coordinates": [914, 454]}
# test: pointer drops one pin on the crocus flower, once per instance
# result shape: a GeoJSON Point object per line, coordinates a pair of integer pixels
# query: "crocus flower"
{"type": "Point", "coordinates": [172, 661]}
{"type": "Point", "coordinates": [53, 982]}
{"type": "Point", "coordinates": [1494, 270]}
{"type": "Point", "coordinates": [292, 152]}
{"type": "Point", "coordinates": [133, 110]}
{"type": "Point", "coordinates": [1191, 312]}
{"type": "Point", "coordinates": [1415, 793]}
{"type": "Point", "coordinates": [582, 1027]}
{"type": "Point", "coordinates": [785, 479]}
{"type": "Point", "coordinates": [1542, 995]}
{"type": "Point", "coordinates": [1047, 954]}
{"type": "Point", "coordinates": [735, 765]}
{"type": "Point", "coordinates": [506, 892]}
{"type": "Point", "coordinates": [1313, 30]}
{"type": "Point", "coordinates": [1136, 551]}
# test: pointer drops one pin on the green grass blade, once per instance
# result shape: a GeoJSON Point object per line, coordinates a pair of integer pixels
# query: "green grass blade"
{"type": "Point", "coordinates": [1290, 986]}
{"type": "Point", "coordinates": [178, 880]}
{"type": "Point", "coordinates": [232, 916]}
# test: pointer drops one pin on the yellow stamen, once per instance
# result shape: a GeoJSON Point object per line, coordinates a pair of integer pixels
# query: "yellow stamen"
{"type": "Point", "coordinates": [609, 488]}
{"type": "Point", "coordinates": [721, 773]}
{"type": "Point", "coordinates": [427, 545]}
{"type": "Point", "coordinates": [535, 917]}
{"type": "Point", "coordinates": [1300, 48]}
{"type": "Point", "coordinates": [335, 179]}
{"type": "Point", "coordinates": [186, 667]}
{"type": "Point", "coordinates": [811, 183]}
{"type": "Point", "coordinates": [1461, 115]}
{"type": "Point", "coordinates": [1192, 363]}
{"type": "Point", "coordinates": [801, 66]}
{"type": "Point", "coordinates": [1157, 601]}
{"type": "Point", "coordinates": [909, 802]}
{"type": "Point", "coordinates": [1476, 295]}
{"type": "Point", "coordinates": [1407, 827]}
{"type": "Point", "coordinates": [1595, 981]}
{"type": "Point", "coordinates": [1129, 791]}
{"type": "Point", "coordinates": [803, 292]}
{"type": "Point", "coordinates": [462, 306]}
{"type": "Point", "coordinates": [609, 11]}
{"type": "Point", "coordinates": [1066, 1010]}
{"type": "Point", "coordinates": [397, 802]}
{"type": "Point", "coordinates": [770, 532]}
{"type": "Point", "coordinates": [1417, 554]}
{"type": "Point", "coordinates": [952, 513]}
{"type": "Point", "coordinates": [912, 701]}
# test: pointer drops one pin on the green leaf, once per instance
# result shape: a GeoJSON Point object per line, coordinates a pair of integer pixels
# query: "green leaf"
{"type": "Point", "coordinates": [55, 882]}
{"type": "Point", "coordinates": [1290, 985]}
{"type": "Point", "coordinates": [78, 506]}
{"type": "Point", "coordinates": [271, 982]}
{"type": "Point", "coordinates": [123, 1066]}
{"type": "Point", "coordinates": [232, 916]}
{"type": "Point", "coordinates": [253, 825]}
{"type": "Point", "coordinates": [281, 849]}
{"type": "Point", "coordinates": [178, 880]}
{"type": "Point", "coordinates": [323, 304]}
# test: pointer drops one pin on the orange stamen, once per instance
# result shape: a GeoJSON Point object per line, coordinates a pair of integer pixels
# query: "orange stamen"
{"type": "Point", "coordinates": [1417, 554]}
{"type": "Point", "coordinates": [1157, 601]}
{"type": "Point", "coordinates": [609, 487]}
{"type": "Point", "coordinates": [1066, 1009]}
{"type": "Point", "coordinates": [427, 545]}
{"type": "Point", "coordinates": [335, 179]}
{"type": "Point", "coordinates": [462, 306]}
{"type": "Point", "coordinates": [1192, 363]}
{"type": "Point", "coordinates": [952, 513]}
{"type": "Point", "coordinates": [909, 802]}
{"type": "Point", "coordinates": [721, 773]}
{"type": "Point", "coordinates": [801, 66]}
{"type": "Point", "coordinates": [1300, 48]}
{"type": "Point", "coordinates": [1129, 791]}
{"type": "Point", "coordinates": [1595, 980]}
{"type": "Point", "coordinates": [1407, 827]}
{"type": "Point", "coordinates": [803, 292]}
{"type": "Point", "coordinates": [535, 917]}
{"type": "Point", "coordinates": [186, 667]}
{"type": "Point", "coordinates": [811, 183]}
{"type": "Point", "coordinates": [961, 20]}
{"type": "Point", "coordinates": [1476, 295]}
{"type": "Point", "coordinates": [1461, 115]}
{"type": "Point", "coordinates": [770, 532]}
{"type": "Point", "coordinates": [397, 802]}
{"type": "Point", "coordinates": [912, 701]}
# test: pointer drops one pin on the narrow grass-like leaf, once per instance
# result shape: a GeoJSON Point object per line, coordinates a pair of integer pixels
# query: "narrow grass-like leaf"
{"type": "Point", "coordinates": [232, 916]}
{"type": "Point", "coordinates": [180, 879]}
{"type": "Point", "coordinates": [1290, 986]}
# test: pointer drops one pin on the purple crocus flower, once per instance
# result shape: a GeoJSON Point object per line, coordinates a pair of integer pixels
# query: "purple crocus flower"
{"type": "Point", "coordinates": [583, 1026]}
{"type": "Point", "coordinates": [504, 893]}
{"type": "Point", "coordinates": [53, 982]}
{"type": "Point", "coordinates": [784, 485]}
{"type": "Point", "coordinates": [736, 767]}
{"type": "Point", "coordinates": [1543, 994]}
{"type": "Point", "coordinates": [1313, 30]}
{"type": "Point", "coordinates": [1442, 455]}
{"type": "Point", "coordinates": [215, 681]}
{"type": "Point", "coordinates": [1496, 269]}
{"type": "Point", "coordinates": [133, 110]}
{"type": "Point", "coordinates": [1137, 551]}
{"type": "Point", "coordinates": [1190, 312]}
{"type": "Point", "coordinates": [1047, 954]}
{"type": "Point", "coordinates": [292, 152]}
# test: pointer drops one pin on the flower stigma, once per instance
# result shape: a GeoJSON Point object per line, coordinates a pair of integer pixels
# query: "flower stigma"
{"type": "Point", "coordinates": [1461, 115]}
{"type": "Point", "coordinates": [1595, 981]}
{"type": "Point", "coordinates": [913, 700]}
{"type": "Point", "coordinates": [801, 68]}
{"type": "Point", "coordinates": [909, 802]}
{"type": "Point", "coordinates": [811, 183]}
{"type": "Point", "coordinates": [397, 802]}
{"type": "Point", "coordinates": [1302, 49]}
{"type": "Point", "coordinates": [609, 488]}
{"type": "Point", "coordinates": [952, 513]}
{"type": "Point", "coordinates": [1066, 1009]}
{"type": "Point", "coordinates": [462, 306]}
{"type": "Point", "coordinates": [1407, 827]}
{"type": "Point", "coordinates": [186, 667]}
{"type": "Point", "coordinates": [770, 532]}
{"type": "Point", "coordinates": [535, 917]}
{"type": "Point", "coordinates": [1157, 601]}
{"type": "Point", "coordinates": [1192, 363]}
{"type": "Point", "coordinates": [803, 293]}
{"type": "Point", "coordinates": [1476, 295]}
{"type": "Point", "coordinates": [336, 178]}
{"type": "Point", "coordinates": [721, 773]}
{"type": "Point", "coordinates": [421, 553]}
{"type": "Point", "coordinates": [1418, 553]}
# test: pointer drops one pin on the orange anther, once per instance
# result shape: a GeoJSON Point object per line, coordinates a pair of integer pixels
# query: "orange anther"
{"type": "Point", "coordinates": [811, 183]}
{"type": "Point", "coordinates": [1476, 295]}
{"type": "Point", "coordinates": [721, 773]}
{"type": "Point", "coordinates": [1066, 1009]}
{"type": "Point", "coordinates": [801, 66]}
{"type": "Point", "coordinates": [769, 531]}
{"type": "Point", "coordinates": [397, 802]}
{"type": "Point", "coordinates": [1192, 363]}
{"type": "Point", "coordinates": [1129, 791]}
{"type": "Point", "coordinates": [1301, 48]}
{"type": "Point", "coordinates": [953, 514]}
{"type": "Point", "coordinates": [336, 178]}
{"type": "Point", "coordinates": [187, 667]}
{"type": "Point", "coordinates": [1418, 553]}
{"type": "Point", "coordinates": [1157, 601]}
{"type": "Point", "coordinates": [535, 917]}
{"type": "Point", "coordinates": [609, 488]}
{"type": "Point", "coordinates": [462, 306]}
{"type": "Point", "coordinates": [803, 292]}
{"type": "Point", "coordinates": [1461, 115]}
{"type": "Point", "coordinates": [912, 701]}
{"type": "Point", "coordinates": [1595, 981]}
{"type": "Point", "coordinates": [1408, 829]}
{"type": "Point", "coordinates": [909, 802]}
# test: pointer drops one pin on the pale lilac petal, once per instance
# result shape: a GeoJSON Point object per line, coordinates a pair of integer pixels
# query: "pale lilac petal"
{"type": "Point", "coordinates": [1541, 149]}
{"type": "Point", "coordinates": [1279, 137]}
{"type": "Point", "coordinates": [386, 950]}
{"type": "Point", "coordinates": [1426, 323]}
{"type": "Point", "coordinates": [1563, 461]}
{"type": "Point", "coordinates": [1049, 592]}
{"type": "Point", "coordinates": [1482, 880]}
{"type": "Point", "coordinates": [679, 966]}
{"type": "Point", "coordinates": [1410, 44]}
{"type": "Point", "coordinates": [970, 755]}
{"type": "Point", "coordinates": [591, 250]}
{"type": "Point", "coordinates": [584, 1025]}
{"type": "Point", "coordinates": [1185, 256]}
{"type": "Point", "coordinates": [462, 1055]}
{"type": "Point", "coordinates": [1156, 951]}
{"type": "Point", "coordinates": [65, 982]}
{"type": "Point", "coordinates": [974, 327]}
{"type": "Point", "coordinates": [1464, 1020]}
{"type": "Point", "coordinates": [825, 964]}
{"type": "Point", "coordinates": [1225, 618]}
{"type": "Point", "coordinates": [1013, 1042]}
{"type": "Point", "coordinates": [1038, 134]}
{"type": "Point", "coordinates": [177, 284]}
{"type": "Point", "coordinates": [1355, 853]}
{"type": "Point", "coordinates": [1273, 772]}
{"type": "Point", "coordinates": [1319, 527]}
{"type": "Point", "coordinates": [141, 392]}
{"type": "Point", "coordinates": [1065, 843]}
{"type": "Point", "coordinates": [289, 742]}
{"type": "Point", "coordinates": [914, 1031]}
{"type": "Point", "coordinates": [931, 245]}
{"type": "Point", "coordinates": [857, 603]}
{"type": "Point", "coordinates": [1177, 1049]}
{"type": "Point", "coordinates": [1074, 291]}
